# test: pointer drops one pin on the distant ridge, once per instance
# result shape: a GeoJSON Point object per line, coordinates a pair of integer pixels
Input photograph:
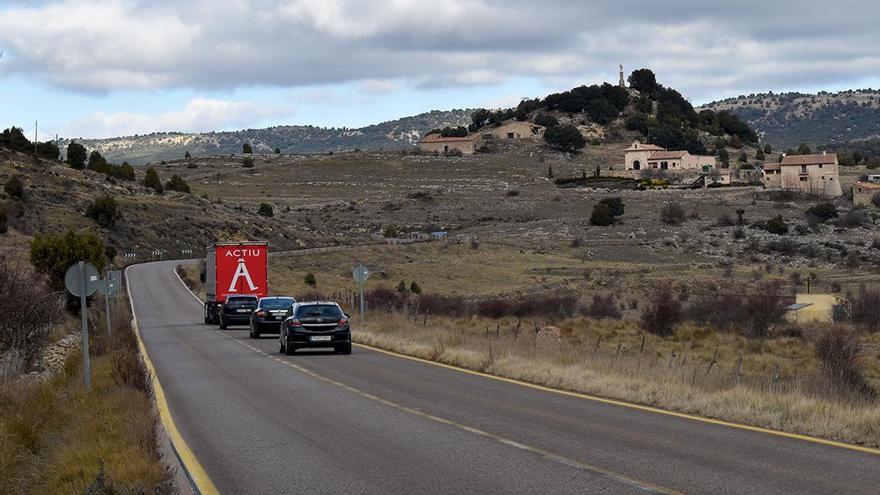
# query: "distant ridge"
{"type": "Point", "coordinates": [787, 119]}
{"type": "Point", "coordinates": [395, 134]}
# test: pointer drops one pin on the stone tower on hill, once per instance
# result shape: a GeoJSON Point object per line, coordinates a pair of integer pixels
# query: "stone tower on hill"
{"type": "Point", "coordinates": [622, 83]}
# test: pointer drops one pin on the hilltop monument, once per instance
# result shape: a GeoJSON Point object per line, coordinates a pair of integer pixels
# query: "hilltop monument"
{"type": "Point", "coordinates": [622, 83]}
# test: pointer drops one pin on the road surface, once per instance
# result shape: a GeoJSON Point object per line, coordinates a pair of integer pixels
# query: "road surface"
{"type": "Point", "coordinates": [262, 422]}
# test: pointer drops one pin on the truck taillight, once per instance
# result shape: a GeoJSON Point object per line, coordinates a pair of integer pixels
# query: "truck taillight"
{"type": "Point", "coordinates": [343, 322]}
{"type": "Point", "coordinates": [294, 323]}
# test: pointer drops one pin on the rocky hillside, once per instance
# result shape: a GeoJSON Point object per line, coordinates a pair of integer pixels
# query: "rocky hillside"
{"type": "Point", "coordinates": [785, 120]}
{"type": "Point", "coordinates": [395, 134]}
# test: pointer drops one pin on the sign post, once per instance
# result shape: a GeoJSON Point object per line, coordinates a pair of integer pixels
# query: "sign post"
{"type": "Point", "coordinates": [82, 280]}
{"type": "Point", "coordinates": [361, 273]}
{"type": "Point", "coordinates": [109, 287]}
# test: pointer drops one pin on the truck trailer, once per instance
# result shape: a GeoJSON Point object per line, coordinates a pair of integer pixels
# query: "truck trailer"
{"type": "Point", "coordinates": [234, 268]}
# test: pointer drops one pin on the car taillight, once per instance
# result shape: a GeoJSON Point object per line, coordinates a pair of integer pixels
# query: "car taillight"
{"type": "Point", "coordinates": [261, 313]}
{"type": "Point", "coordinates": [343, 322]}
{"type": "Point", "coordinates": [294, 323]}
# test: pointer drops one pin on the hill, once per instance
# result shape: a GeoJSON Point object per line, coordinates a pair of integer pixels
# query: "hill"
{"type": "Point", "coordinates": [395, 134]}
{"type": "Point", "coordinates": [787, 119]}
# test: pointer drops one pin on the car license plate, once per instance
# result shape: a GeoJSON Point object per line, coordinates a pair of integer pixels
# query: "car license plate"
{"type": "Point", "coordinates": [244, 311]}
{"type": "Point", "coordinates": [321, 338]}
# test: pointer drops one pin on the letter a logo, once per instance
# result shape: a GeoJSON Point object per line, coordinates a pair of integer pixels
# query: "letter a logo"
{"type": "Point", "coordinates": [241, 271]}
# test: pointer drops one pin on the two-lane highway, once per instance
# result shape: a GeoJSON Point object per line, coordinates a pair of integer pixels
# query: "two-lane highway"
{"type": "Point", "coordinates": [262, 422]}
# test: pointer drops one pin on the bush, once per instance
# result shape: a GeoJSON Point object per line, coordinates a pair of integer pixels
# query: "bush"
{"type": "Point", "coordinates": [14, 187]}
{"type": "Point", "coordinates": [414, 288]}
{"type": "Point", "coordinates": [247, 162]}
{"type": "Point", "coordinates": [176, 183]}
{"type": "Point", "coordinates": [310, 280]}
{"type": "Point", "coordinates": [390, 232]}
{"type": "Point", "coordinates": [23, 322]}
{"type": "Point", "coordinates": [511, 193]}
{"type": "Point", "coordinates": [603, 307]}
{"type": "Point", "coordinates": [866, 309]}
{"type": "Point", "coordinates": [672, 214]}
{"type": "Point", "coordinates": [838, 351]}
{"type": "Point", "coordinates": [277, 151]}
{"type": "Point", "coordinates": [246, 148]}
{"type": "Point", "coordinates": [661, 313]}
{"type": "Point", "coordinates": [4, 222]}
{"type": "Point", "coordinates": [776, 225]}
{"type": "Point", "coordinates": [822, 211]}
{"type": "Point", "coordinates": [266, 210]}
{"type": "Point", "coordinates": [52, 255]}
{"type": "Point", "coordinates": [853, 218]}
{"type": "Point", "coordinates": [565, 137]}
{"type": "Point", "coordinates": [602, 215]}
{"type": "Point", "coordinates": [152, 180]}
{"type": "Point", "coordinates": [76, 156]}
{"type": "Point", "coordinates": [616, 205]}
{"type": "Point", "coordinates": [546, 120]}
{"type": "Point", "coordinates": [104, 211]}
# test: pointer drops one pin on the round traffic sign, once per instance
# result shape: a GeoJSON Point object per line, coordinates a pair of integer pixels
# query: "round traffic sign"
{"type": "Point", "coordinates": [110, 285]}
{"type": "Point", "coordinates": [82, 279]}
{"type": "Point", "coordinates": [361, 273]}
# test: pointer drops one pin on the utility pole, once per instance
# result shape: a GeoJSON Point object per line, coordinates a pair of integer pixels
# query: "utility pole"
{"type": "Point", "coordinates": [35, 137]}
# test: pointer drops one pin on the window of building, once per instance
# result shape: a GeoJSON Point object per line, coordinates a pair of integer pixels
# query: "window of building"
{"type": "Point", "coordinates": [803, 179]}
{"type": "Point", "coordinates": [509, 135]}
{"type": "Point", "coordinates": [803, 169]}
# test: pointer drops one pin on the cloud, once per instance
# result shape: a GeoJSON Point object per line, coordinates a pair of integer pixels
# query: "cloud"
{"type": "Point", "coordinates": [198, 115]}
{"type": "Point", "coordinates": [703, 48]}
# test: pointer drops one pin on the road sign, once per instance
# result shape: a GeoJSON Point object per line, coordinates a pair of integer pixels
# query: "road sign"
{"type": "Point", "coordinates": [110, 285]}
{"type": "Point", "coordinates": [82, 280]}
{"type": "Point", "coordinates": [361, 273]}
{"type": "Point", "coordinates": [82, 284]}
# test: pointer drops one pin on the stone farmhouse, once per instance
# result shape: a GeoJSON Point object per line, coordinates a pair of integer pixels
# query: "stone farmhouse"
{"type": "Point", "coordinates": [435, 143]}
{"type": "Point", "coordinates": [865, 191]}
{"type": "Point", "coordinates": [771, 176]}
{"type": "Point", "coordinates": [516, 130]}
{"type": "Point", "coordinates": [810, 174]}
{"type": "Point", "coordinates": [650, 157]}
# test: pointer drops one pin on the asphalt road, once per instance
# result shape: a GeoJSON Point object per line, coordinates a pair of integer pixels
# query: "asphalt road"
{"type": "Point", "coordinates": [262, 422]}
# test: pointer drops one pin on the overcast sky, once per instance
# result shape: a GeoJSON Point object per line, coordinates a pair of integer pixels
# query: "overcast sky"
{"type": "Point", "coordinates": [119, 67]}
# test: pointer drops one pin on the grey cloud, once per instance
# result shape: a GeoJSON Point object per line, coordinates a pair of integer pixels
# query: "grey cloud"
{"type": "Point", "coordinates": [705, 48]}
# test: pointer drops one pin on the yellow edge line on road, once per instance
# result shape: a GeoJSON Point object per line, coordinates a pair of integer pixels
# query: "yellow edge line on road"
{"type": "Point", "coordinates": [631, 405]}
{"type": "Point", "coordinates": [617, 402]}
{"type": "Point", "coordinates": [194, 470]}
{"type": "Point", "coordinates": [621, 478]}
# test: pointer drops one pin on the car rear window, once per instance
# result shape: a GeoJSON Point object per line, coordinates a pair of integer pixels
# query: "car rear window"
{"type": "Point", "coordinates": [241, 301]}
{"type": "Point", "coordinates": [319, 311]}
{"type": "Point", "coordinates": [277, 303]}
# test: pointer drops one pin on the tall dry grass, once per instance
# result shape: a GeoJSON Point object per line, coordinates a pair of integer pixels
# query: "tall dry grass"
{"type": "Point", "coordinates": [59, 439]}
{"type": "Point", "coordinates": [698, 371]}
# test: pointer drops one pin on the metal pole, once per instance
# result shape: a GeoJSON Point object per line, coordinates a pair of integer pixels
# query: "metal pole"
{"type": "Point", "coordinates": [107, 306]}
{"type": "Point", "coordinates": [361, 286]}
{"type": "Point", "coordinates": [87, 367]}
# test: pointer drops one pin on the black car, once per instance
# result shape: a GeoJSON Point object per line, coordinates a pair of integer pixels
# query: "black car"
{"type": "Point", "coordinates": [315, 324]}
{"type": "Point", "coordinates": [237, 310]}
{"type": "Point", "coordinates": [269, 314]}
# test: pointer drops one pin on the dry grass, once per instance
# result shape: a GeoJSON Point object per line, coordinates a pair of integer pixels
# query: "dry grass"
{"type": "Point", "coordinates": [57, 438]}
{"type": "Point", "coordinates": [774, 384]}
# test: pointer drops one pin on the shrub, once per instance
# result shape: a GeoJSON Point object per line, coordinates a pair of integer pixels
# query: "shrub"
{"type": "Point", "coordinates": [26, 320]}
{"type": "Point", "coordinates": [822, 211]}
{"type": "Point", "coordinates": [866, 309]}
{"type": "Point", "coordinates": [661, 313]}
{"type": "Point", "coordinates": [672, 214]}
{"type": "Point", "coordinates": [616, 205]}
{"type": "Point", "coordinates": [125, 172]}
{"type": "Point", "coordinates": [14, 187]}
{"type": "Point", "coordinates": [152, 180]}
{"type": "Point", "coordinates": [247, 162]}
{"type": "Point", "coordinates": [602, 215]}
{"type": "Point", "coordinates": [401, 287]}
{"type": "Point", "coordinates": [104, 211]}
{"type": "Point", "coordinates": [176, 183]}
{"type": "Point", "coordinates": [53, 254]}
{"type": "Point", "coordinates": [390, 232]}
{"type": "Point", "coordinates": [603, 307]}
{"type": "Point", "coordinates": [277, 151]}
{"type": "Point", "coordinates": [546, 120]}
{"type": "Point", "coordinates": [310, 280]}
{"type": "Point", "coordinates": [565, 137]}
{"type": "Point", "coordinates": [97, 162]}
{"type": "Point", "coordinates": [384, 298]}
{"type": "Point", "coordinates": [776, 225]}
{"type": "Point", "coordinates": [76, 156]}
{"type": "Point", "coordinates": [511, 193]}
{"type": "Point", "coordinates": [4, 222]}
{"type": "Point", "coordinates": [246, 148]}
{"type": "Point", "coordinates": [762, 310]}
{"type": "Point", "coordinates": [266, 210]}
{"type": "Point", "coordinates": [186, 155]}
{"type": "Point", "coordinates": [838, 351]}
{"type": "Point", "coordinates": [414, 288]}
{"type": "Point", "coordinates": [853, 218]}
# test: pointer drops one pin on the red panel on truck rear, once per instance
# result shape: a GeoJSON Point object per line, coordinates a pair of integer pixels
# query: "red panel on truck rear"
{"type": "Point", "coordinates": [241, 270]}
